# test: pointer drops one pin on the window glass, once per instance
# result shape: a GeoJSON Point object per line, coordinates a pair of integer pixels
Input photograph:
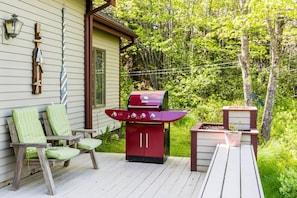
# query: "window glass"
{"type": "Point", "coordinates": [98, 80]}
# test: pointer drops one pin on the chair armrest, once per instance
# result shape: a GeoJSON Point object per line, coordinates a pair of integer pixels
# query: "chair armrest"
{"type": "Point", "coordinates": [67, 138]}
{"type": "Point", "coordinates": [37, 145]}
{"type": "Point", "coordinates": [86, 132]}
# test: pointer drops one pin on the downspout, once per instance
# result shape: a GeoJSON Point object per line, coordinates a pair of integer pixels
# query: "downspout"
{"type": "Point", "coordinates": [88, 57]}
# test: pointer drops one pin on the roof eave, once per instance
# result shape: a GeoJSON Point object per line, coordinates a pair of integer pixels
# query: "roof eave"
{"type": "Point", "coordinates": [100, 21]}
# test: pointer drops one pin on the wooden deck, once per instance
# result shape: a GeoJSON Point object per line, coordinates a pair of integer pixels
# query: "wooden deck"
{"type": "Point", "coordinates": [115, 178]}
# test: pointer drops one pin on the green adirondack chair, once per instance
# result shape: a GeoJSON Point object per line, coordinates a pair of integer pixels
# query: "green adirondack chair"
{"type": "Point", "coordinates": [56, 123]}
{"type": "Point", "coordinates": [30, 146]}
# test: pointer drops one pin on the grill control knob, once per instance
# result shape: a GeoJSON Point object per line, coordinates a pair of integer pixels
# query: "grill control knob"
{"type": "Point", "coordinates": [133, 115]}
{"type": "Point", "coordinates": [142, 115]}
{"type": "Point", "coordinates": [152, 116]}
{"type": "Point", "coordinates": [114, 114]}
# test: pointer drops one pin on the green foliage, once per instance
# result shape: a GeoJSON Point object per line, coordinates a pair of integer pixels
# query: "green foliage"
{"type": "Point", "coordinates": [126, 88]}
{"type": "Point", "coordinates": [114, 146]}
{"type": "Point", "coordinates": [288, 82]}
{"type": "Point", "coordinates": [189, 91]}
{"type": "Point", "coordinates": [180, 141]}
{"type": "Point", "coordinates": [284, 127]}
{"type": "Point", "coordinates": [274, 161]}
{"type": "Point", "coordinates": [209, 110]}
{"type": "Point", "coordinates": [277, 159]}
{"type": "Point", "coordinates": [187, 38]}
{"type": "Point", "coordinates": [288, 187]}
{"type": "Point", "coordinates": [268, 164]}
{"type": "Point", "coordinates": [105, 135]}
{"type": "Point", "coordinates": [186, 122]}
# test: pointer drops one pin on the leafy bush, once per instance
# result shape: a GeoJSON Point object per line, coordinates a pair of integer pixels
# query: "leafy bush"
{"type": "Point", "coordinates": [105, 135]}
{"type": "Point", "coordinates": [192, 91]}
{"type": "Point", "coordinates": [288, 182]}
{"type": "Point", "coordinates": [186, 121]}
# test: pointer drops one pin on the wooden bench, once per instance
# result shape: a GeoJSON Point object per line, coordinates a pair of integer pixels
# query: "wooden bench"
{"type": "Point", "coordinates": [233, 172]}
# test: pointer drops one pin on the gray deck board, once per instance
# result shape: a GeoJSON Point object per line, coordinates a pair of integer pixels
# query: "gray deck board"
{"type": "Point", "coordinates": [233, 173]}
{"type": "Point", "coordinates": [115, 178]}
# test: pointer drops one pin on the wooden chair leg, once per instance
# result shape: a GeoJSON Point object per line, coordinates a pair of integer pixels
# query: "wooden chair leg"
{"type": "Point", "coordinates": [47, 174]}
{"type": "Point", "coordinates": [18, 168]}
{"type": "Point", "coordinates": [94, 160]}
{"type": "Point", "coordinates": [67, 163]}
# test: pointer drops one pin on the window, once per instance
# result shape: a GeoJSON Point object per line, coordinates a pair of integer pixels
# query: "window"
{"type": "Point", "coordinates": [98, 77]}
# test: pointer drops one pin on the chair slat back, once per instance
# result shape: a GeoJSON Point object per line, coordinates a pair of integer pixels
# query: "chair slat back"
{"type": "Point", "coordinates": [46, 125]}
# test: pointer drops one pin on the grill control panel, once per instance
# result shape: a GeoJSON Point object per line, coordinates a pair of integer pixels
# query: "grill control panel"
{"type": "Point", "coordinates": [144, 116]}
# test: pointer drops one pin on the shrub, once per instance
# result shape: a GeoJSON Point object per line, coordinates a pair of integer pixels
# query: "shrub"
{"type": "Point", "coordinates": [288, 187]}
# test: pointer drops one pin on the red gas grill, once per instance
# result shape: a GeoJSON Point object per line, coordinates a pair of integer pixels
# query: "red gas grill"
{"type": "Point", "coordinates": [147, 125]}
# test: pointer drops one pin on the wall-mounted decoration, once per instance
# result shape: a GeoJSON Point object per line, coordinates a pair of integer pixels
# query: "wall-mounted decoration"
{"type": "Point", "coordinates": [37, 62]}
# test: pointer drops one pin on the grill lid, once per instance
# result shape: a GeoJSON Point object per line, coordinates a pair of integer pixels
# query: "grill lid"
{"type": "Point", "coordinates": [146, 106]}
{"type": "Point", "coordinates": [157, 100]}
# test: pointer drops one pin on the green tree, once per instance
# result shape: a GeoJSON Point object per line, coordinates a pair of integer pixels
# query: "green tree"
{"type": "Point", "coordinates": [275, 14]}
{"type": "Point", "coordinates": [194, 46]}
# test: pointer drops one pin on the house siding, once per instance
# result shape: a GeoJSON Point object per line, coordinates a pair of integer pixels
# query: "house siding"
{"type": "Point", "coordinates": [16, 64]}
{"type": "Point", "coordinates": [110, 44]}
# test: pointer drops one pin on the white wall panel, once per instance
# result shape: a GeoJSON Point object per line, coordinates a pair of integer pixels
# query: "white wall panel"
{"type": "Point", "coordinates": [16, 64]}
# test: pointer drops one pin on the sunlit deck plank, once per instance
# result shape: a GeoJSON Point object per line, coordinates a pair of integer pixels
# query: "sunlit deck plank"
{"type": "Point", "coordinates": [115, 178]}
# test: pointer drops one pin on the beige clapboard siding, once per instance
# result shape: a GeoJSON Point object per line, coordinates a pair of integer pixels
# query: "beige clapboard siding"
{"type": "Point", "coordinates": [4, 136]}
{"type": "Point", "coordinates": [16, 64]}
{"type": "Point", "coordinates": [8, 153]}
{"type": "Point", "coordinates": [206, 145]}
{"type": "Point", "coordinates": [110, 44]}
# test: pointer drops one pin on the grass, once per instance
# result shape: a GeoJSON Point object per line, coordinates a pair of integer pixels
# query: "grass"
{"type": "Point", "coordinates": [180, 141]}
{"type": "Point", "coordinates": [267, 164]}
{"type": "Point", "coordinates": [114, 146]}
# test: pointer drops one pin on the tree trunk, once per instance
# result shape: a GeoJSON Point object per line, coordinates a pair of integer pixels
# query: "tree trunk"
{"type": "Point", "coordinates": [245, 63]}
{"type": "Point", "coordinates": [275, 31]}
{"type": "Point", "coordinates": [245, 70]}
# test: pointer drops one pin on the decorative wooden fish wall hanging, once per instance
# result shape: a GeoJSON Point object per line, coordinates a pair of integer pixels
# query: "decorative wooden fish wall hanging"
{"type": "Point", "coordinates": [37, 62]}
